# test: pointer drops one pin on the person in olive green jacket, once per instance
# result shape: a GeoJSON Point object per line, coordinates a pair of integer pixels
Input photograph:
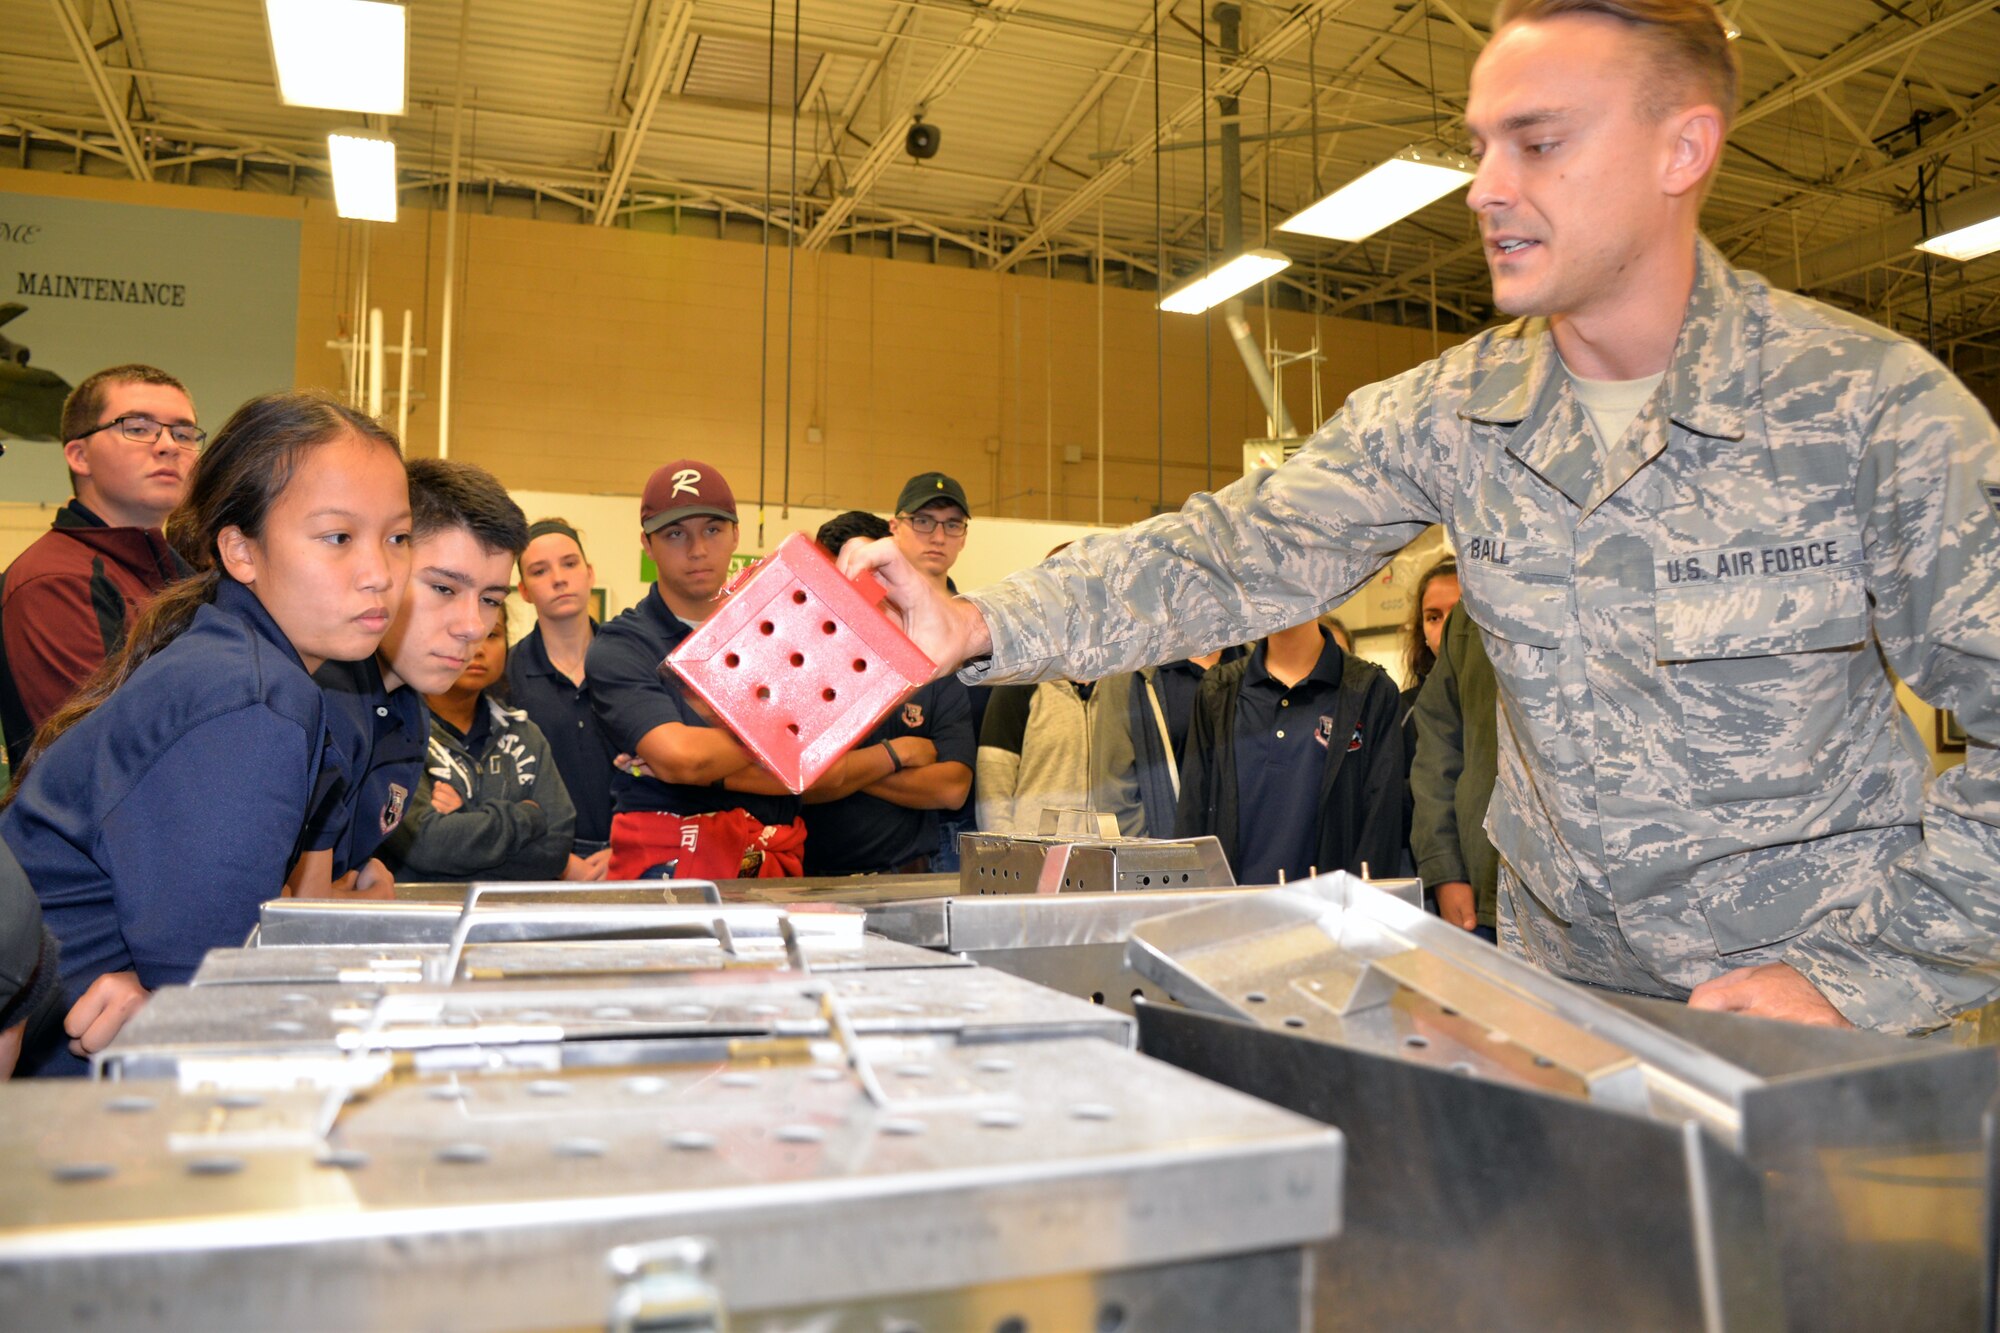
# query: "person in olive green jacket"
{"type": "Point", "coordinates": [1452, 779]}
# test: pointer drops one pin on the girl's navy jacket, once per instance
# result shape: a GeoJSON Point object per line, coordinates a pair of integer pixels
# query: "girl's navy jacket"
{"type": "Point", "coordinates": [154, 828]}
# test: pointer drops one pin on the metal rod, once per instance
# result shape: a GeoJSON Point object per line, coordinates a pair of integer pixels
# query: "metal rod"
{"type": "Point", "coordinates": [375, 365]}
{"type": "Point", "coordinates": [451, 237]}
{"type": "Point", "coordinates": [403, 382]}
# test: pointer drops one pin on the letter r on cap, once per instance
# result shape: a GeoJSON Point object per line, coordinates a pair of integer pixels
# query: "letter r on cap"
{"type": "Point", "coordinates": [688, 480]}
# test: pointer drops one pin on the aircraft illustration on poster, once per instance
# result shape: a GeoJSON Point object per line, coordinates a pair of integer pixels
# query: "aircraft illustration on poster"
{"type": "Point", "coordinates": [31, 398]}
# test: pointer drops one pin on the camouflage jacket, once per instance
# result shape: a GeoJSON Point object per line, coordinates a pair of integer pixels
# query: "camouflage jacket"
{"type": "Point", "coordinates": [1701, 755]}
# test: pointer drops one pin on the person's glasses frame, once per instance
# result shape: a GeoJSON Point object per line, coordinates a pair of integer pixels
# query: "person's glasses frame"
{"type": "Point", "coordinates": [137, 428]}
{"type": "Point", "coordinates": [926, 524]}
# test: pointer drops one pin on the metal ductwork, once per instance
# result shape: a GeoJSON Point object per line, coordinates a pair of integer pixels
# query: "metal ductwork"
{"type": "Point", "coordinates": [1893, 240]}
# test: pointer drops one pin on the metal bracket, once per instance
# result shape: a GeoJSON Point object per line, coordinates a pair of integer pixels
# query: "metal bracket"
{"type": "Point", "coordinates": [445, 971]}
{"type": "Point", "coordinates": [664, 1286]}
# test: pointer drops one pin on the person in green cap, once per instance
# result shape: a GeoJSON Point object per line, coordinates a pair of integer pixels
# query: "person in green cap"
{"type": "Point", "coordinates": [932, 516]}
{"type": "Point", "coordinates": [930, 525]}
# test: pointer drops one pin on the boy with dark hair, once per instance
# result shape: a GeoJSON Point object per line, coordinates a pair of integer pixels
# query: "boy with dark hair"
{"type": "Point", "coordinates": [130, 439]}
{"type": "Point", "coordinates": [497, 808]}
{"type": "Point", "coordinates": [465, 532]}
{"type": "Point", "coordinates": [891, 825]}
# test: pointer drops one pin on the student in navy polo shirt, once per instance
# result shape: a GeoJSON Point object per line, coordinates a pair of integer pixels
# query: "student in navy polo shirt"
{"type": "Point", "coordinates": [1295, 761]}
{"type": "Point", "coordinates": [685, 769]}
{"type": "Point", "coordinates": [933, 519]}
{"type": "Point", "coordinates": [546, 680]}
{"type": "Point", "coordinates": [891, 825]}
{"type": "Point", "coordinates": [169, 797]}
{"type": "Point", "coordinates": [464, 533]}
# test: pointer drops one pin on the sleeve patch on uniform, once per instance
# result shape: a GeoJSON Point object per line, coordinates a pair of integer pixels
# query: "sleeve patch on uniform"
{"type": "Point", "coordinates": [1992, 490]}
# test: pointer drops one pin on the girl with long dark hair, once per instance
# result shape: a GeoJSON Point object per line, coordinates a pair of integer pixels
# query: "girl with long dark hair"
{"type": "Point", "coordinates": [166, 800]}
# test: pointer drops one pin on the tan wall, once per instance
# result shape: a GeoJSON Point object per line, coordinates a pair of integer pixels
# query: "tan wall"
{"type": "Point", "coordinates": [585, 357]}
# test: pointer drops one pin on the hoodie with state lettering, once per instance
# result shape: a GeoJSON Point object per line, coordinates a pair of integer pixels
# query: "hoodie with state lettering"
{"type": "Point", "coordinates": [516, 820]}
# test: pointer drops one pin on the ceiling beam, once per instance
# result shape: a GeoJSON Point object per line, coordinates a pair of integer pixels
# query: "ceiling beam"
{"type": "Point", "coordinates": [108, 100]}
{"type": "Point", "coordinates": [1339, 84]}
{"type": "Point", "coordinates": [1839, 112]}
{"type": "Point", "coordinates": [1089, 102]}
{"type": "Point", "coordinates": [668, 44]}
{"type": "Point", "coordinates": [888, 144]}
{"type": "Point", "coordinates": [1294, 28]}
{"type": "Point", "coordinates": [1840, 65]}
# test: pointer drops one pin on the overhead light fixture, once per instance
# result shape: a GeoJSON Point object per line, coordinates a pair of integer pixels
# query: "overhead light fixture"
{"type": "Point", "coordinates": [1967, 242]}
{"type": "Point", "coordinates": [364, 176]}
{"type": "Point", "coordinates": [345, 55]}
{"type": "Point", "coordinates": [1219, 284]}
{"type": "Point", "coordinates": [1419, 175]}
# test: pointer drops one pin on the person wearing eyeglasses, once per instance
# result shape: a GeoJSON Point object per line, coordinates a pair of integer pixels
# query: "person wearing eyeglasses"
{"type": "Point", "coordinates": [130, 439]}
{"type": "Point", "coordinates": [932, 518]}
{"type": "Point", "coordinates": [930, 525]}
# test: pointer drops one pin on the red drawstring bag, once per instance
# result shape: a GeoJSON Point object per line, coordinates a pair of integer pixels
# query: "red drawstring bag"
{"type": "Point", "coordinates": [729, 844]}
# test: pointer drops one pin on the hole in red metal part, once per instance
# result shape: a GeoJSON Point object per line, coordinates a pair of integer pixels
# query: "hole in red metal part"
{"type": "Point", "coordinates": [764, 692]}
{"type": "Point", "coordinates": [860, 664]}
{"type": "Point", "coordinates": [767, 628]}
{"type": "Point", "coordinates": [798, 597]}
{"type": "Point", "coordinates": [827, 627]}
{"type": "Point", "coordinates": [798, 659]}
{"type": "Point", "coordinates": [792, 727]}
{"type": "Point", "coordinates": [731, 660]}
{"type": "Point", "coordinates": [827, 694]}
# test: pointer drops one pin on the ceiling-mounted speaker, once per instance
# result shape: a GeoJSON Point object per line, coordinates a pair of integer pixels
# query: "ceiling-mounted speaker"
{"type": "Point", "coordinates": [922, 141]}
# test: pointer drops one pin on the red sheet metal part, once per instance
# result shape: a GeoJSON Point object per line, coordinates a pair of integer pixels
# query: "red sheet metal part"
{"type": "Point", "coordinates": [799, 663]}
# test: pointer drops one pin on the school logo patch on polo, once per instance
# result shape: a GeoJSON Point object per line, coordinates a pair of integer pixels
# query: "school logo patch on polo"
{"type": "Point", "coordinates": [1323, 733]}
{"type": "Point", "coordinates": [392, 809]}
{"type": "Point", "coordinates": [913, 714]}
{"type": "Point", "coordinates": [1354, 741]}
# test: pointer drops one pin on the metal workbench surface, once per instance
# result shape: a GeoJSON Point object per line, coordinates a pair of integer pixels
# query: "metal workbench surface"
{"type": "Point", "coordinates": [493, 1201]}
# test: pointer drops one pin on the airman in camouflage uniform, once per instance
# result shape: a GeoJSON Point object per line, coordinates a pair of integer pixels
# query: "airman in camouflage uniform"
{"type": "Point", "coordinates": [1702, 761]}
{"type": "Point", "coordinates": [1705, 782]}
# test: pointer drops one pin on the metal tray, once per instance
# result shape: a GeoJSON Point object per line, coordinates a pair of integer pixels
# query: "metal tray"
{"type": "Point", "coordinates": [1581, 1160]}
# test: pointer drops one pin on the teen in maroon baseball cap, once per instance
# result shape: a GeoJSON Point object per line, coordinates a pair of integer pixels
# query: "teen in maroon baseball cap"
{"type": "Point", "coordinates": [683, 489]}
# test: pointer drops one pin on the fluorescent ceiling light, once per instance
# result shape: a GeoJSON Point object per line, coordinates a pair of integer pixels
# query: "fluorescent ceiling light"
{"type": "Point", "coordinates": [346, 55]}
{"type": "Point", "coordinates": [1981, 238]}
{"type": "Point", "coordinates": [1399, 187]}
{"type": "Point", "coordinates": [364, 176]}
{"type": "Point", "coordinates": [1218, 285]}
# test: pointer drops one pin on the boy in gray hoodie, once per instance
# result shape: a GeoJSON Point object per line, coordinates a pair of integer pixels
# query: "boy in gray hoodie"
{"type": "Point", "coordinates": [494, 806]}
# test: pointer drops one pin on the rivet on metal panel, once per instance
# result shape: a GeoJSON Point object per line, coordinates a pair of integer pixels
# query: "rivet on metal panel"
{"type": "Point", "coordinates": [464, 1154]}
{"type": "Point", "coordinates": [1000, 1119]}
{"type": "Point", "coordinates": [214, 1166]}
{"type": "Point", "coordinates": [580, 1148]}
{"type": "Point", "coordinates": [75, 1173]}
{"type": "Point", "coordinates": [691, 1140]}
{"type": "Point", "coordinates": [902, 1127]}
